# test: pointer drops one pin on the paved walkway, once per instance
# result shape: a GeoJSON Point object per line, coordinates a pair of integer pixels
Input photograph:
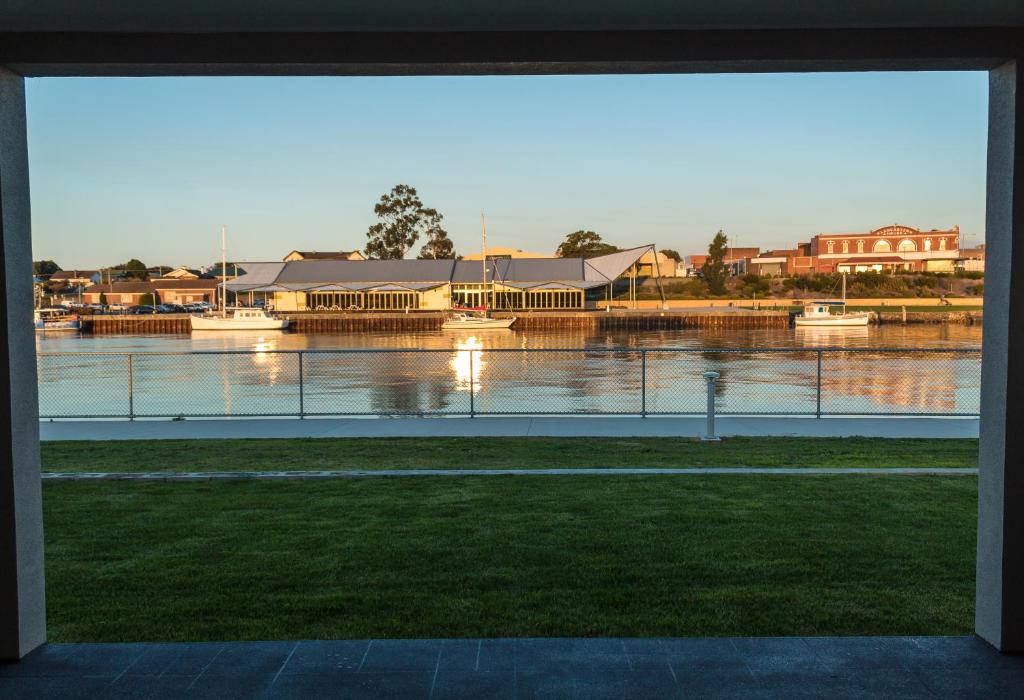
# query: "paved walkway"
{"type": "Point", "coordinates": [512, 426]}
{"type": "Point", "coordinates": [781, 667]}
{"type": "Point", "coordinates": [584, 471]}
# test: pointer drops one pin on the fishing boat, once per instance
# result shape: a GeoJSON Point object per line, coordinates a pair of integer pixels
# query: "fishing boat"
{"type": "Point", "coordinates": [820, 313]}
{"type": "Point", "coordinates": [477, 318]}
{"type": "Point", "coordinates": [46, 320]}
{"type": "Point", "coordinates": [241, 319]}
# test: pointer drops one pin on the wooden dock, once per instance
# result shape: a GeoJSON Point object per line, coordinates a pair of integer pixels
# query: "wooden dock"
{"type": "Point", "coordinates": [359, 322]}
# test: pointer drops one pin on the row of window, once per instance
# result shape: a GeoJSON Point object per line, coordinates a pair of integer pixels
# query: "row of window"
{"type": "Point", "coordinates": [379, 301]}
{"type": "Point", "coordinates": [883, 246]}
{"type": "Point", "coordinates": [530, 299]}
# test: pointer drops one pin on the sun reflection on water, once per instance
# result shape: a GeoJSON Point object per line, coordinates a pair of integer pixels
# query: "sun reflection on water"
{"type": "Point", "coordinates": [467, 363]}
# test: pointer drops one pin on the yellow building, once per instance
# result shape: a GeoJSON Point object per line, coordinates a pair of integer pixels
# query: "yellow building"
{"type": "Point", "coordinates": [506, 252]}
{"type": "Point", "coordinates": [397, 285]}
{"type": "Point", "coordinates": [324, 255]}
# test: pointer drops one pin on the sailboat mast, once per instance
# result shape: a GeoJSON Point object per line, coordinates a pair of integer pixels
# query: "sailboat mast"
{"type": "Point", "coordinates": [224, 271]}
{"type": "Point", "coordinates": [483, 255]}
{"type": "Point", "coordinates": [844, 287]}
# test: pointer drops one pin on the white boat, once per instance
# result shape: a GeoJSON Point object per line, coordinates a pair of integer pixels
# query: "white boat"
{"type": "Point", "coordinates": [241, 319]}
{"type": "Point", "coordinates": [819, 313]}
{"type": "Point", "coordinates": [462, 321]}
{"type": "Point", "coordinates": [467, 322]}
{"type": "Point", "coordinates": [46, 320]}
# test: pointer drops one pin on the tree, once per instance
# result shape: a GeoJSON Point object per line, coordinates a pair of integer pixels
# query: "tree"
{"type": "Point", "coordinates": [403, 219]}
{"type": "Point", "coordinates": [134, 268]}
{"type": "Point", "coordinates": [714, 269]}
{"type": "Point", "coordinates": [672, 254]}
{"type": "Point", "coordinates": [45, 267]}
{"type": "Point", "coordinates": [438, 246]}
{"type": "Point", "coordinates": [583, 244]}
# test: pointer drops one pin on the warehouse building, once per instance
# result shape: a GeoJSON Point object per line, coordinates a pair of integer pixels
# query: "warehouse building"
{"type": "Point", "coordinates": [397, 285]}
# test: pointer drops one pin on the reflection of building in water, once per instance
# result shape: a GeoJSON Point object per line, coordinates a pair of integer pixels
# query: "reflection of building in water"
{"type": "Point", "coordinates": [923, 383]}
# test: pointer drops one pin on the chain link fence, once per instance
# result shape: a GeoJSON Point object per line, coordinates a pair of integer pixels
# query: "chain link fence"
{"type": "Point", "coordinates": [473, 381]}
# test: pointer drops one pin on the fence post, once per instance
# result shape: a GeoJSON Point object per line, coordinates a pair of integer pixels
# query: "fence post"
{"type": "Point", "coordinates": [817, 408]}
{"type": "Point", "coordinates": [131, 387]}
{"type": "Point", "coordinates": [472, 388]}
{"type": "Point", "coordinates": [643, 383]}
{"type": "Point", "coordinates": [302, 389]}
{"type": "Point", "coordinates": [710, 378]}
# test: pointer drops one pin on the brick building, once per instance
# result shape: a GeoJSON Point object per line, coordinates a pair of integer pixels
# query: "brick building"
{"type": "Point", "coordinates": [161, 291]}
{"type": "Point", "coordinates": [892, 248]}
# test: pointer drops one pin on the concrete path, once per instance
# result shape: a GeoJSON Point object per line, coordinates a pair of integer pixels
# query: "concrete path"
{"type": "Point", "coordinates": [584, 471]}
{"type": "Point", "coordinates": [510, 426]}
{"type": "Point", "coordinates": [601, 667]}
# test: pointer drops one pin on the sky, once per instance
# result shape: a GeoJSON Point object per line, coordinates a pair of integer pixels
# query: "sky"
{"type": "Point", "coordinates": [151, 168]}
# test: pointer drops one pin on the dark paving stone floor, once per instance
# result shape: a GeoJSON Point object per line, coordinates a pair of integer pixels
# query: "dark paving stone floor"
{"type": "Point", "coordinates": [784, 667]}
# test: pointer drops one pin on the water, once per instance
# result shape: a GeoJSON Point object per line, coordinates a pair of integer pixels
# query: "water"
{"type": "Point", "coordinates": [579, 372]}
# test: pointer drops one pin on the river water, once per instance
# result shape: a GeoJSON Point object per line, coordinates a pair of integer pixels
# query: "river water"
{"type": "Point", "coordinates": [765, 371]}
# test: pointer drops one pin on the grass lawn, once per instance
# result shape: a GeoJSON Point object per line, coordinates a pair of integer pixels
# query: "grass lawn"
{"type": "Point", "coordinates": [509, 556]}
{"type": "Point", "coordinates": [460, 453]}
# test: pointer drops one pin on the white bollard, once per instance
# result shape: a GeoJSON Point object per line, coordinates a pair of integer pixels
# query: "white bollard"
{"type": "Point", "coordinates": [710, 378]}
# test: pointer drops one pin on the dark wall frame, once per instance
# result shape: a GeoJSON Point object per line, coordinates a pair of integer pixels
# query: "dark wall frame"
{"type": "Point", "coordinates": [1000, 563]}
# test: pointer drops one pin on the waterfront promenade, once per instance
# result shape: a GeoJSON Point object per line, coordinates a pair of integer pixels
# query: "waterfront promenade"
{"type": "Point", "coordinates": [510, 426]}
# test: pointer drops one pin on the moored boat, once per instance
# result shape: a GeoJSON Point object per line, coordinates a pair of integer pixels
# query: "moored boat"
{"type": "Point", "coordinates": [461, 319]}
{"type": "Point", "coordinates": [464, 321]}
{"type": "Point", "coordinates": [819, 313]}
{"type": "Point", "coordinates": [46, 320]}
{"type": "Point", "coordinates": [241, 319]}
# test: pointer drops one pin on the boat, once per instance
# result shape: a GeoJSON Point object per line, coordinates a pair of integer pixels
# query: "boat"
{"type": "Point", "coordinates": [463, 319]}
{"type": "Point", "coordinates": [242, 318]}
{"type": "Point", "coordinates": [819, 313]}
{"type": "Point", "coordinates": [467, 322]}
{"type": "Point", "coordinates": [46, 320]}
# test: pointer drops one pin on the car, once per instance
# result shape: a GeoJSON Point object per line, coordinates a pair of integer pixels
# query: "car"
{"type": "Point", "coordinates": [141, 309]}
{"type": "Point", "coordinates": [170, 309]}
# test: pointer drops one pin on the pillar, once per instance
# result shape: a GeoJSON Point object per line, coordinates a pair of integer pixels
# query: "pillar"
{"type": "Point", "coordinates": [22, 600]}
{"type": "Point", "coordinates": [999, 610]}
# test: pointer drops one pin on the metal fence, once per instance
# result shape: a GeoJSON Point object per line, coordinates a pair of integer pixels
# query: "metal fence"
{"type": "Point", "coordinates": [510, 381]}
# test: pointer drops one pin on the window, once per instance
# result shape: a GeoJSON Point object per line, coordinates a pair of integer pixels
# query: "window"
{"type": "Point", "coordinates": [846, 246]}
{"type": "Point", "coordinates": [906, 246]}
{"type": "Point", "coordinates": [882, 246]}
{"type": "Point", "coordinates": [831, 246]}
{"type": "Point", "coordinates": [860, 246]}
{"type": "Point", "coordinates": [942, 244]}
{"type": "Point", "coordinates": [927, 244]}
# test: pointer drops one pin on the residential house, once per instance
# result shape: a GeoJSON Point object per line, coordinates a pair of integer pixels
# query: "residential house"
{"type": "Point", "coordinates": [324, 255]}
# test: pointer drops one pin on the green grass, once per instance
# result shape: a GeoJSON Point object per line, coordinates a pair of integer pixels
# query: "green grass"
{"type": "Point", "coordinates": [552, 556]}
{"type": "Point", "coordinates": [526, 453]}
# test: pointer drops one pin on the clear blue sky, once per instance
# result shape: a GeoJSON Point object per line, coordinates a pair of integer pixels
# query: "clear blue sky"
{"type": "Point", "coordinates": [150, 168]}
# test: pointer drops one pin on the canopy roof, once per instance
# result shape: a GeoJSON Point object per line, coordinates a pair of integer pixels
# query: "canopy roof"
{"type": "Point", "coordinates": [416, 275]}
